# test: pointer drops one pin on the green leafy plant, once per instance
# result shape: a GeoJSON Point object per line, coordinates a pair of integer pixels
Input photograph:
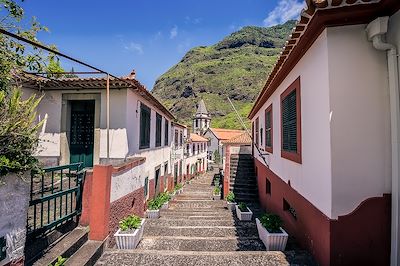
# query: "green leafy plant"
{"type": "Point", "coordinates": [217, 190]}
{"type": "Point", "coordinates": [164, 197]}
{"type": "Point", "coordinates": [178, 187]}
{"type": "Point", "coordinates": [60, 261]}
{"type": "Point", "coordinates": [230, 197]}
{"type": "Point", "coordinates": [217, 157]}
{"type": "Point", "coordinates": [271, 222]}
{"type": "Point", "coordinates": [130, 223]}
{"type": "Point", "coordinates": [242, 207]}
{"type": "Point", "coordinates": [156, 204]}
{"type": "Point", "coordinates": [18, 133]}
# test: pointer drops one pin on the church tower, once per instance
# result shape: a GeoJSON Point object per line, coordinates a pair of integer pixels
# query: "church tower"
{"type": "Point", "coordinates": [202, 119]}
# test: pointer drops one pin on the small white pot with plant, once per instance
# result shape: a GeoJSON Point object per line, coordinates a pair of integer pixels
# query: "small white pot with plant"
{"type": "Point", "coordinates": [130, 232]}
{"type": "Point", "coordinates": [178, 189]}
{"type": "Point", "coordinates": [230, 201]}
{"type": "Point", "coordinates": [243, 212]}
{"type": "Point", "coordinates": [165, 198]}
{"type": "Point", "coordinates": [217, 193]}
{"type": "Point", "coordinates": [271, 233]}
{"type": "Point", "coordinates": [153, 208]}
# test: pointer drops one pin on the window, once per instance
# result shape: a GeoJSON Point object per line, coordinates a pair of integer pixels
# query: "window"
{"type": "Point", "coordinates": [158, 129]}
{"type": "Point", "coordinates": [145, 113]}
{"type": "Point", "coordinates": [197, 123]}
{"type": "Point", "coordinates": [267, 187]}
{"type": "Point", "coordinates": [290, 209]}
{"type": "Point", "coordinates": [257, 130]}
{"type": "Point", "coordinates": [268, 129]}
{"type": "Point", "coordinates": [176, 138]}
{"type": "Point", "coordinates": [193, 149]}
{"type": "Point", "coordinates": [166, 133]}
{"type": "Point", "coordinates": [180, 138]}
{"type": "Point", "coordinates": [291, 122]}
{"type": "Point", "coordinates": [261, 137]}
{"type": "Point", "coordinates": [146, 186]}
{"type": "Point", "coordinates": [166, 168]}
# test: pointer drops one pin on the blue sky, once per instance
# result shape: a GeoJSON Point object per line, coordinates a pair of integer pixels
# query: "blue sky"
{"type": "Point", "coordinates": [149, 36]}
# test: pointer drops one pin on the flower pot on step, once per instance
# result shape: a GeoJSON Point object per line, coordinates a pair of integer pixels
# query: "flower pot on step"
{"type": "Point", "coordinates": [129, 240]}
{"type": "Point", "coordinates": [243, 216]}
{"type": "Point", "coordinates": [153, 214]}
{"type": "Point", "coordinates": [217, 196]}
{"type": "Point", "coordinates": [272, 241]}
{"type": "Point", "coordinates": [231, 205]}
{"type": "Point", "coordinates": [165, 206]}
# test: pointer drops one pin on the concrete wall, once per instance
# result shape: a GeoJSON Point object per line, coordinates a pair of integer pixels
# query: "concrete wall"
{"type": "Point", "coordinates": [312, 178]}
{"type": "Point", "coordinates": [359, 119]}
{"type": "Point", "coordinates": [214, 144]}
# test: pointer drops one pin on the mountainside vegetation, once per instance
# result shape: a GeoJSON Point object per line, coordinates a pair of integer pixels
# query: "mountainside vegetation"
{"type": "Point", "coordinates": [236, 67]}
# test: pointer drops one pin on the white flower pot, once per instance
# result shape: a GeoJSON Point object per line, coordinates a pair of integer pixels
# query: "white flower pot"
{"type": "Point", "coordinates": [272, 241]}
{"type": "Point", "coordinates": [231, 205]}
{"type": "Point", "coordinates": [153, 214]}
{"type": "Point", "coordinates": [165, 206]}
{"type": "Point", "coordinates": [243, 216]}
{"type": "Point", "coordinates": [129, 241]}
{"type": "Point", "coordinates": [217, 197]}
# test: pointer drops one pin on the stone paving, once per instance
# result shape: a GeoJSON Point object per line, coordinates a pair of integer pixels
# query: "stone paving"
{"type": "Point", "coordinates": [196, 230]}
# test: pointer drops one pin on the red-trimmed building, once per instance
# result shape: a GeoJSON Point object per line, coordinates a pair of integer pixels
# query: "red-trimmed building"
{"type": "Point", "coordinates": [327, 126]}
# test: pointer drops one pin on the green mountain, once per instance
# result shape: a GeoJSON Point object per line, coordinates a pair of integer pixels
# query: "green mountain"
{"type": "Point", "coordinates": [236, 67]}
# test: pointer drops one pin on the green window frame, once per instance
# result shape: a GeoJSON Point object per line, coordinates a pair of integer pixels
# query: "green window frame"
{"type": "Point", "coordinates": [166, 133]}
{"type": "Point", "coordinates": [146, 186]}
{"type": "Point", "coordinates": [158, 129]}
{"type": "Point", "coordinates": [145, 119]}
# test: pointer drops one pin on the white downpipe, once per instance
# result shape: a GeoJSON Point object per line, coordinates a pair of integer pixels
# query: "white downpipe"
{"type": "Point", "coordinates": [375, 30]}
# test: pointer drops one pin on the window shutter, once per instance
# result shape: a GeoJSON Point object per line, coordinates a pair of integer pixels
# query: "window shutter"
{"type": "Point", "coordinates": [289, 122]}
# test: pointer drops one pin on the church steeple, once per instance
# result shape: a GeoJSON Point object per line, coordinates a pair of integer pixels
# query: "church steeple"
{"type": "Point", "coordinates": [202, 119]}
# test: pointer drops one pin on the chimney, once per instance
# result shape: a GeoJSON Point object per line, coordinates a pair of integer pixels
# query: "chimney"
{"type": "Point", "coordinates": [132, 75]}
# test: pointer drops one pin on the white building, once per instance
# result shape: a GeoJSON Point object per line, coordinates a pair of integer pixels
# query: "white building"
{"type": "Point", "coordinates": [328, 117]}
{"type": "Point", "coordinates": [178, 151]}
{"type": "Point", "coordinates": [215, 138]}
{"type": "Point", "coordinates": [196, 155]}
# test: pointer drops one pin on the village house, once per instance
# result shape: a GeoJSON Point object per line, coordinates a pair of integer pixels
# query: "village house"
{"type": "Point", "coordinates": [326, 125]}
{"type": "Point", "coordinates": [178, 152]}
{"type": "Point", "coordinates": [195, 155]}
{"type": "Point", "coordinates": [215, 138]}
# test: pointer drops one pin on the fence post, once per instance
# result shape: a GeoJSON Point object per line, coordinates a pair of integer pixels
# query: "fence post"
{"type": "Point", "coordinates": [99, 210]}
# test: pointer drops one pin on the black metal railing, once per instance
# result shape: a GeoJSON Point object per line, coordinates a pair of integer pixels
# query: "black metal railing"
{"type": "Point", "coordinates": [55, 197]}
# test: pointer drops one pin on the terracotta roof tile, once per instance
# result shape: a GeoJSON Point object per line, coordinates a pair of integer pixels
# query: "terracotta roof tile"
{"type": "Point", "coordinates": [197, 138]}
{"type": "Point", "coordinates": [243, 138]}
{"type": "Point", "coordinates": [225, 134]}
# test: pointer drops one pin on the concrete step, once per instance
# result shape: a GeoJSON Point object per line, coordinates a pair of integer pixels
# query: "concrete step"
{"type": "Point", "coordinates": [67, 246]}
{"type": "Point", "coordinates": [229, 222]}
{"type": "Point", "coordinates": [87, 255]}
{"type": "Point", "coordinates": [220, 244]}
{"type": "Point", "coordinates": [192, 258]}
{"type": "Point", "coordinates": [202, 231]}
{"type": "Point", "coordinates": [196, 204]}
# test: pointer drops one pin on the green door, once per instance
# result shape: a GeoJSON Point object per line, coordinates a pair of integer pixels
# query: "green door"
{"type": "Point", "coordinates": [82, 132]}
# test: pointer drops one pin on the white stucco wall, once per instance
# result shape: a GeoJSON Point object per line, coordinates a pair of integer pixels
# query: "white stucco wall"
{"type": "Point", "coordinates": [124, 183]}
{"type": "Point", "coordinates": [360, 121]}
{"type": "Point", "coordinates": [312, 178]}
{"type": "Point", "coordinates": [214, 143]}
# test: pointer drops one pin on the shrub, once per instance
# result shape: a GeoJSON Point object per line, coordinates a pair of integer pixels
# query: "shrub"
{"type": "Point", "coordinates": [155, 204]}
{"type": "Point", "coordinates": [60, 261]}
{"type": "Point", "coordinates": [130, 223]}
{"type": "Point", "coordinates": [230, 197]}
{"type": "Point", "coordinates": [164, 197]}
{"type": "Point", "coordinates": [271, 222]}
{"type": "Point", "coordinates": [178, 187]}
{"type": "Point", "coordinates": [18, 133]}
{"type": "Point", "coordinates": [242, 207]}
{"type": "Point", "coordinates": [217, 190]}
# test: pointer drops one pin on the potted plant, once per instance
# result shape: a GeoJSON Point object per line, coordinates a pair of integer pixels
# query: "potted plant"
{"type": "Point", "coordinates": [153, 208]}
{"type": "Point", "coordinates": [130, 232]}
{"type": "Point", "coordinates": [243, 213]}
{"type": "Point", "coordinates": [271, 233]}
{"type": "Point", "coordinates": [230, 201]}
{"type": "Point", "coordinates": [178, 189]}
{"type": "Point", "coordinates": [165, 198]}
{"type": "Point", "coordinates": [217, 193]}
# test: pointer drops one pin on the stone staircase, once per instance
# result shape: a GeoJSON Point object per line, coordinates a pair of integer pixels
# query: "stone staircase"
{"type": "Point", "coordinates": [197, 230]}
{"type": "Point", "coordinates": [74, 246]}
{"type": "Point", "coordinates": [243, 181]}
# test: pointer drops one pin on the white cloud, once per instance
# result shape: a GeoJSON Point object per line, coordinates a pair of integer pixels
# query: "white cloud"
{"type": "Point", "coordinates": [284, 11]}
{"type": "Point", "coordinates": [174, 32]}
{"type": "Point", "coordinates": [134, 47]}
{"type": "Point", "coordinates": [195, 21]}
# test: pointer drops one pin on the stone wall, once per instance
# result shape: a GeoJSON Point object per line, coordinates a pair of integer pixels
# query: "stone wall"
{"type": "Point", "coordinates": [14, 202]}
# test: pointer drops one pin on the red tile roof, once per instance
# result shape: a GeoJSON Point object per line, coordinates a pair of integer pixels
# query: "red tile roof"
{"type": "Point", "coordinates": [318, 15]}
{"type": "Point", "coordinates": [225, 134]}
{"type": "Point", "coordinates": [243, 138]}
{"type": "Point", "coordinates": [197, 138]}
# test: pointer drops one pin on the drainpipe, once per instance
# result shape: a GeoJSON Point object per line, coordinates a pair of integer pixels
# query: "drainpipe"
{"type": "Point", "coordinates": [375, 31]}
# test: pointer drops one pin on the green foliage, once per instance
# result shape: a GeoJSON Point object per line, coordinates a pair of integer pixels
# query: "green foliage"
{"type": "Point", "coordinates": [18, 132]}
{"type": "Point", "coordinates": [217, 157]}
{"type": "Point", "coordinates": [178, 187]}
{"type": "Point", "coordinates": [237, 67]}
{"type": "Point", "coordinates": [131, 222]}
{"type": "Point", "coordinates": [230, 197]}
{"type": "Point", "coordinates": [217, 191]}
{"type": "Point", "coordinates": [271, 222]}
{"type": "Point", "coordinates": [156, 204]}
{"type": "Point", "coordinates": [243, 207]}
{"type": "Point", "coordinates": [60, 261]}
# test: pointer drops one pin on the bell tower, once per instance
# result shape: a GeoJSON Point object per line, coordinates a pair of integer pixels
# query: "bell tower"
{"type": "Point", "coordinates": [202, 119]}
